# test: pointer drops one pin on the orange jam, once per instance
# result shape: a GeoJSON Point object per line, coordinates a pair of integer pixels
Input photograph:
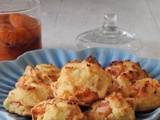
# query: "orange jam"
{"type": "Point", "coordinates": [18, 33]}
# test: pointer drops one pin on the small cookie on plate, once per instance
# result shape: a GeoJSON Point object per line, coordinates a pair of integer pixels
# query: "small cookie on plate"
{"type": "Point", "coordinates": [57, 109]}
{"type": "Point", "coordinates": [146, 93]}
{"type": "Point", "coordinates": [42, 73]}
{"type": "Point", "coordinates": [124, 73]}
{"type": "Point", "coordinates": [115, 68]}
{"type": "Point", "coordinates": [32, 87]}
{"type": "Point", "coordinates": [112, 107]}
{"type": "Point", "coordinates": [21, 99]}
{"type": "Point", "coordinates": [83, 82]}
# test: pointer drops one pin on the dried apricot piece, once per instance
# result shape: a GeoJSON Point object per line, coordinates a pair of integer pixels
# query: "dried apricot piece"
{"type": "Point", "coordinates": [6, 25]}
{"type": "Point", "coordinates": [36, 32]}
{"type": "Point", "coordinates": [5, 28]}
{"type": "Point", "coordinates": [4, 18]}
{"type": "Point", "coordinates": [5, 53]}
{"type": "Point", "coordinates": [14, 42]}
{"type": "Point", "coordinates": [22, 20]}
{"type": "Point", "coordinates": [19, 36]}
{"type": "Point", "coordinates": [3, 34]}
{"type": "Point", "coordinates": [16, 37]}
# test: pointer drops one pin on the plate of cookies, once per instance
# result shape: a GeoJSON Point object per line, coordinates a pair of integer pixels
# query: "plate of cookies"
{"type": "Point", "coordinates": [90, 84]}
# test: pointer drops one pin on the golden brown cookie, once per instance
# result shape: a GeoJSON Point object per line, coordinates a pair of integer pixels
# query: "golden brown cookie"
{"type": "Point", "coordinates": [83, 82]}
{"type": "Point", "coordinates": [146, 93]}
{"type": "Point", "coordinates": [124, 73]}
{"type": "Point", "coordinates": [113, 107]}
{"type": "Point", "coordinates": [32, 87]}
{"type": "Point", "coordinates": [57, 109]}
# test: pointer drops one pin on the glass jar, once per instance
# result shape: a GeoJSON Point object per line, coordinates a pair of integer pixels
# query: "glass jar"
{"type": "Point", "coordinates": [110, 36]}
{"type": "Point", "coordinates": [20, 27]}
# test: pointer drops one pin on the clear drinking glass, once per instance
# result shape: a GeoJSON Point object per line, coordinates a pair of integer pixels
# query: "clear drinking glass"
{"type": "Point", "coordinates": [110, 36]}
{"type": "Point", "coordinates": [20, 27]}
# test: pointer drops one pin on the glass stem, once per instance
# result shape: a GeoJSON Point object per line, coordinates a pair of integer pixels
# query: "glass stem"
{"type": "Point", "coordinates": [110, 23]}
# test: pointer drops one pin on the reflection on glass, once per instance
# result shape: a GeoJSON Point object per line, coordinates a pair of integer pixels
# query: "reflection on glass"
{"type": "Point", "coordinates": [109, 35]}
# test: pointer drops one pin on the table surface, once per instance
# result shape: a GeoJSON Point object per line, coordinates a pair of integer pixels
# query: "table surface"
{"type": "Point", "coordinates": [63, 20]}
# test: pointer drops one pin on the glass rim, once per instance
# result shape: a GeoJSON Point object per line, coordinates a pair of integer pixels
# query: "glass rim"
{"type": "Point", "coordinates": [37, 5]}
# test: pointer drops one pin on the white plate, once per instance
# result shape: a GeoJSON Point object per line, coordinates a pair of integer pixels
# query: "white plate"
{"type": "Point", "coordinates": [10, 71]}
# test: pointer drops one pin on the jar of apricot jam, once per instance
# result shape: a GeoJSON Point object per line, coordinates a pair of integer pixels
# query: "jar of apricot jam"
{"type": "Point", "coordinates": [20, 28]}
